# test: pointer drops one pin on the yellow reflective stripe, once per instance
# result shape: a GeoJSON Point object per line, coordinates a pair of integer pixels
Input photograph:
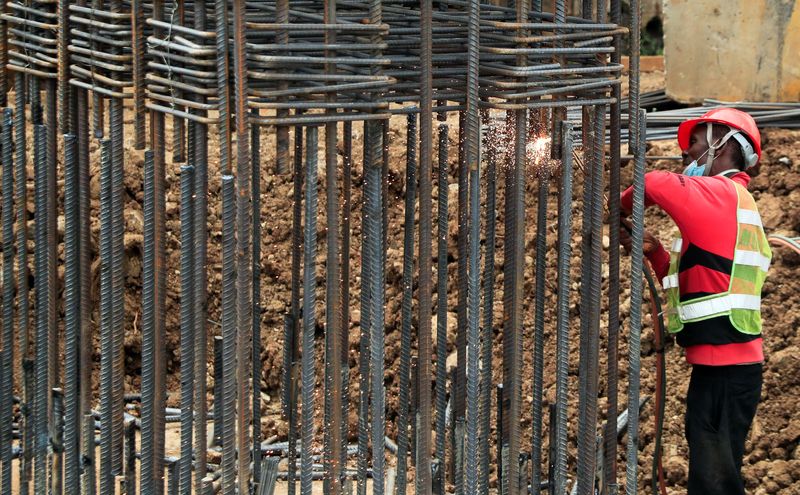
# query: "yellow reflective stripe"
{"type": "Point", "coordinates": [750, 217]}
{"type": "Point", "coordinates": [670, 281]}
{"type": "Point", "coordinates": [719, 305]}
{"type": "Point", "coordinates": [751, 258]}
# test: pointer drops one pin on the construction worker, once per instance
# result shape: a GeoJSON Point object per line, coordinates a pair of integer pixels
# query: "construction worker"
{"type": "Point", "coordinates": [713, 276]}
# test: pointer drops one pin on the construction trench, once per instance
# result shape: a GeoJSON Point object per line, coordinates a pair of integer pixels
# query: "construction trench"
{"type": "Point", "coordinates": [309, 75]}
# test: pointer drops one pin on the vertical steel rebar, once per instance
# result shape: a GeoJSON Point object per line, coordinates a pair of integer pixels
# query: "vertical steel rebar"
{"type": "Point", "coordinates": [187, 329]}
{"type": "Point", "coordinates": [148, 474]}
{"type": "Point", "coordinates": [107, 413]}
{"type": "Point", "coordinates": [367, 276]}
{"type": "Point", "coordinates": [255, 142]}
{"type": "Point", "coordinates": [138, 49]}
{"type": "Point", "coordinates": [309, 310]}
{"type": "Point", "coordinates": [472, 148]}
{"type": "Point", "coordinates": [292, 341]}
{"type": "Point", "coordinates": [115, 116]}
{"type": "Point", "coordinates": [538, 338]}
{"type": "Point", "coordinates": [488, 321]}
{"type": "Point", "coordinates": [229, 331]}
{"type": "Point", "coordinates": [347, 207]}
{"type": "Point", "coordinates": [634, 338]}
{"type": "Point", "coordinates": [407, 305]}
{"type": "Point", "coordinates": [7, 379]}
{"type": "Point", "coordinates": [88, 481]}
{"type": "Point", "coordinates": [563, 316]}
{"type": "Point", "coordinates": [72, 316]}
{"type": "Point", "coordinates": [223, 88]}
{"type": "Point", "coordinates": [333, 293]}
{"type": "Point", "coordinates": [244, 243]}
{"type": "Point", "coordinates": [130, 458]}
{"type": "Point", "coordinates": [423, 462]}
{"type": "Point", "coordinates": [441, 307]}
{"type": "Point", "coordinates": [43, 271]}
{"type": "Point", "coordinates": [23, 301]}
{"type": "Point", "coordinates": [588, 392]}
{"type": "Point", "coordinates": [459, 384]}
{"type": "Point", "coordinates": [373, 231]}
{"type": "Point", "coordinates": [512, 291]}
{"type": "Point", "coordinates": [610, 433]}
{"type": "Point", "coordinates": [219, 377]}
{"type": "Point", "coordinates": [282, 131]}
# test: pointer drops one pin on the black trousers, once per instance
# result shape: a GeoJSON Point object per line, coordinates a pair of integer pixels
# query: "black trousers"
{"type": "Point", "coordinates": [720, 407]}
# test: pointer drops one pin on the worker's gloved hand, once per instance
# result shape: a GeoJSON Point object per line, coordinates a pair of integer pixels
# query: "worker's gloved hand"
{"type": "Point", "coordinates": [650, 242]}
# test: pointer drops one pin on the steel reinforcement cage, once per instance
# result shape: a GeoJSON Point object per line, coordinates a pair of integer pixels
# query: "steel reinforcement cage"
{"type": "Point", "coordinates": [227, 74]}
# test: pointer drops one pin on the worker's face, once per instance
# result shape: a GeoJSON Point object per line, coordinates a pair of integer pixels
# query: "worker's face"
{"type": "Point", "coordinates": [698, 145]}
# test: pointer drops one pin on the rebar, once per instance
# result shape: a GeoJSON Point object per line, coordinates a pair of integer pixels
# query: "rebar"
{"type": "Point", "coordinates": [441, 305]}
{"type": "Point", "coordinates": [488, 320]}
{"type": "Point", "coordinates": [187, 328]}
{"type": "Point", "coordinates": [72, 316]}
{"type": "Point", "coordinates": [634, 338]}
{"type": "Point", "coordinates": [309, 310]}
{"type": "Point", "coordinates": [408, 293]}
{"type": "Point", "coordinates": [256, 67]}
{"type": "Point", "coordinates": [563, 304]}
{"type": "Point", "coordinates": [473, 158]}
{"type": "Point", "coordinates": [228, 335]}
{"type": "Point", "coordinates": [7, 380]}
{"type": "Point", "coordinates": [43, 277]}
{"type": "Point", "coordinates": [423, 465]}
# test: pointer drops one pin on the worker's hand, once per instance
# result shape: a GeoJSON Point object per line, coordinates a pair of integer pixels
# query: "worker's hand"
{"type": "Point", "coordinates": [650, 242]}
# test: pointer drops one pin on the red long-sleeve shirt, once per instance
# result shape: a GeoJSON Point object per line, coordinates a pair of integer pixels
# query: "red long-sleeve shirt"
{"type": "Point", "coordinates": [704, 209]}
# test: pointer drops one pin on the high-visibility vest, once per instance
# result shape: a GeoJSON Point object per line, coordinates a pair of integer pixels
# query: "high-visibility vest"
{"type": "Point", "coordinates": [742, 301]}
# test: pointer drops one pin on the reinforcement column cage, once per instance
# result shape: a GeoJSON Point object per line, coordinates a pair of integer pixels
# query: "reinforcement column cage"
{"type": "Point", "coordinates": [182, 120]}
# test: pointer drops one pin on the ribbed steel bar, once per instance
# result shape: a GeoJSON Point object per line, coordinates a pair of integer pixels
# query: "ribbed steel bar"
{"type": "Point", "coordinates": [309, 310]}
{"type": "Point", "coordinates": [441, 306]}
{"type": "Point", "coordinates": [562, 310]}
{"type": "Point", "coordinates": [7, 380]}
{"type": "Point", "coordinates": [187, 328]}
{"type": "Point", "coordinates": [244, 244]}
{"type": "Point", "coordinates": [347, 207]}
{"type": "Point", "coordinates": [634, 338]}
{"type": "Point", "coordinates": [407, 305]}
{"type": "Point", "coordinates": [472, 148]}
{"type": "Point", "coordinates": [88, 481]}
{"type": "Point", "coordinates": [107, 412]}
{"type": "Point", "coordinates": [255, 144]}
{"type": "Point", "coordinates": [115, 117]}
{"type": "Point", "coordinates": [72, 316]}
{"type": "Point", "coordinates": [23, 302]}
{"type": "Point", "coordinates": [138, 49]}
{"type": "Point", "coordinates": [586, 431]}
{"type": "Point", "coordinates": [223, 88]}
{"type": "Point", "coordinates": [282, 131]}
{"type": "Point", "coordinates": [488, 320]}
{"type": "Point", "coordinates": [43, 270]}
{"type": "Point", "coordinates": [543, 186]}
{"type": "Point", "coordinates": [57, 443]}
{"type": "Point", "coordinates": [363, 348]}
{"type": "Point", "coordinates": [423, 463]}
{"type": "Point", "coordinates": [610, 433]}
{"type": "Point", "coordinates": [229, 330]}
{"type": "Point", "coordinates": [512, 304]}
{"type": "Point", "coordinates": [373, 200]}
{"type": "Point", "coordinates": [149, 476]}
{"type": "Point", "coordinates": [459, 384]}
{"type": "Point", "coordinates": [333, 289]}
{"type": "Point", "coordinates": [200, 163]}
{"type": "Point", "coordinates": [292, 340]}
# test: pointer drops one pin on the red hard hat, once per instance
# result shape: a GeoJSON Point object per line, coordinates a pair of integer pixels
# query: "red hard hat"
{"type": "Point", "coordinates": [731, 117]}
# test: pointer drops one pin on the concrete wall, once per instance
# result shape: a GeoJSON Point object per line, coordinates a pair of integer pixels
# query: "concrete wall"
{"type": "Point", "coordinates": [732, 50]}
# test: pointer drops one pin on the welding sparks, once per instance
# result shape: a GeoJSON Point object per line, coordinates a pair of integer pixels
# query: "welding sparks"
{"type": "Point", "coordinates": [539, 159]}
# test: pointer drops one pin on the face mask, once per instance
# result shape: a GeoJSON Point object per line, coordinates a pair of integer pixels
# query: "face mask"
{"type": "Point", "coordinates": [694, 170]}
